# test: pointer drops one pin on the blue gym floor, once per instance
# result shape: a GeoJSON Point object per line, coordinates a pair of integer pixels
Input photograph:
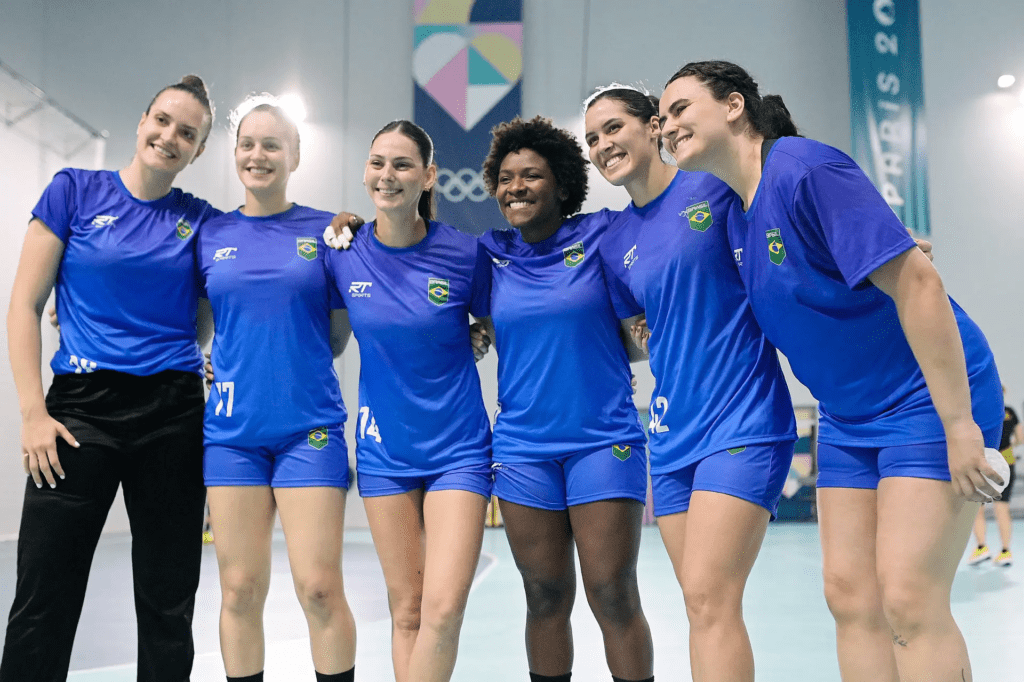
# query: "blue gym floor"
{"type": "Point", "coordinates": [789, 624]}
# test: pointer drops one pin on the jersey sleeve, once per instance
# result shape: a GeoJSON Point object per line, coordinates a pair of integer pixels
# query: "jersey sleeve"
{"type": "Point", "coordinates": [858, 227]}
{"type": "Point", "coordinates": [623, 301]}
{"type": "Point", "coordinates": [58, 204]}
{"type": "Point", "coordinates": [480, 297]}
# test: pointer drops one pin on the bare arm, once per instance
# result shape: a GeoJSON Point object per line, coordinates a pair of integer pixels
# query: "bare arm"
{"type": "Point", "coordinates": [931, 330]}
{"type": "Point", "coordinates": [634, 334]}
{"type": "Point", "coordinates": [204, 323]}
{"type": "Point", "coordinates": [341, 331]}
{"type": "Point", "coordinates": [37, 270]}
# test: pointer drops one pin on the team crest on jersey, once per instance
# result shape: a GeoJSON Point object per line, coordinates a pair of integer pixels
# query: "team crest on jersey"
{"type": "Point", "coordinates": [573, 255]}
{"type": "Point", "coordinates": [699, 216]}
{"type": "Point", "coordinates": [622, 452]}
{"type": "Point", "coordinates": [776, 249]}
{"type": "Point", "coordinates": [183, 229]}
{"type": "Point", "coordinates": [437, 290]}
{"type": "Point", "coordinates": [104, 220]}
{"type": "Point", "coordinates": [306, 247]}
{"type": "Point", "coordinates": [736, 451]}
{"type": "Point", "coordinates": [318, 438]}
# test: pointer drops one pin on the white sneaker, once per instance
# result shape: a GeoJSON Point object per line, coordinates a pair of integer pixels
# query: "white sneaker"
{"type": "Point", "coordinates": [1005, 558]}
{"type": "Point", "coordinates": [979, 555]}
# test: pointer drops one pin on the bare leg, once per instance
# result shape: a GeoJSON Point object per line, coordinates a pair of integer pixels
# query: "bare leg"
{"type": "Point", "coordinates": [847, 518]}
{"type": "Point", "coordinates": [243, 518]}
{"type": "Point", "coordinates": [713, 557]}
{"type": "Point", "coordinates": [922, 530]}
{"type": "Point", "coordinates": [979, 526]}
{"type": "Point", "coordinates": [1002, 512]}
{"type": "Point", "coordinates": [542, 545]}
{"type": "Point", "coordinates": [454, 524]}
{"type": "Point", "coordinates": [608, 538]}
{"type": "Point", "coordinates": [396, 524]}
{"type": "Point", "coordinates": [314, 520]}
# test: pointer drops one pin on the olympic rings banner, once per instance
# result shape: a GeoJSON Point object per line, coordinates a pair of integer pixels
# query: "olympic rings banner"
{"type": "Point", "coordinates": [887, 104]}
{"type": "Point", "coordinates": [467, 72]}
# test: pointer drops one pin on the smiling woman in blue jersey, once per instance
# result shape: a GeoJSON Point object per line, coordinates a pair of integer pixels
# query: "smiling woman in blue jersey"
{"type": "Point", "coordinates": [570, 466]}
{"type": "Point", "coordinates": [274, 422]}
{"type": "Point", "coordinates": [423, 441]}
{"type": "Point", "coordinates": [125, 406]}
{"type": "Point", "coordinates": [722, 427]}
{"type": "Point", "coordinates": [908, 389]}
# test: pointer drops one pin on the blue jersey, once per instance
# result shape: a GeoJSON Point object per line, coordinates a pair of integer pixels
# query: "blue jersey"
{"type": "Point", "coordinates": [127, 287]}
{"type": "Point", "coordinates": [420, 408]}
{"type": "Point", "coordinates": [563, 373]}
{"type": "Point", "coordinates": [718, 380]}
{"type": "Point", "coordinates": [272, 298]}
{"type": "Point", "coordinates": [815, 230]}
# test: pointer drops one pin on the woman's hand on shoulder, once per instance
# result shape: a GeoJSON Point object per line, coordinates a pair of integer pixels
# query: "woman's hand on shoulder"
{"type": "Point", "coordinates": [342, 230]}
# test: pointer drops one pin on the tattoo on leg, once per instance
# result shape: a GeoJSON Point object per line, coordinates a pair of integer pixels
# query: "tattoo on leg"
{"type": "Point", "coordinates": [896, 639]}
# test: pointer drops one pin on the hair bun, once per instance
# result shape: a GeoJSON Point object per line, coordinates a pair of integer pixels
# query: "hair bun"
{"type": "Point", "coordinates": [194, 82]}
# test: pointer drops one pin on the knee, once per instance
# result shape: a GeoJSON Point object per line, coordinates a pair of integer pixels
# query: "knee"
{"type": "Point", "coordinates": [615, 601]}
{"type": "Point", "coordinates": [443, 613]}
{"type": "Point", "coordinates": [405, 610]}
{"type": "Point", "coordinates": [242, 593]}
{"type": "Point", "coordinates": [906, 605]}
{"type": "Point", "coordinates": [708, 603]}
{"type": "Point", "coordinates": [850, 598]}
{"type": "Point", "coordinates": [319, 592]}
{"type": "Point", "coordinates": [549, 598]}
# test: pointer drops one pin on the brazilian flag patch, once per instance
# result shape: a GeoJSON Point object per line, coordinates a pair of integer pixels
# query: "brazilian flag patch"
{"type": "Point", "coordinates": [622, 452]}
{"type": "Point", "coordinates": [699, 216]}
{"type": "Point", "coordinates": [437, 290]}
{"type": "Point", "coordinates": [306, 246]}
{"type": "Point", "coordinates": [736, 451]}
{"type": "Point", "coordinates": [183, 229]}
{"type": "Point", "coordinates": [318, 438]}
{"type": "Point", "coordinates": [573, 255]}
{"type": "Point", "coordinates": [776, 250]}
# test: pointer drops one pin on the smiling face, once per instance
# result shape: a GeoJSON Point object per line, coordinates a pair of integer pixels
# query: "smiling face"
{"type": "Point", "coordinates": [528, 193]}
{"type": "Point", "coordinates": [170, 134]}
{"type": "Point", "coordinates": [621, 146]}
{"type": "Point", "coordinates": [266, 152]}
{"type": "Point", "coordinates": [694, 125]}
{"type": "Point", "coordinates": [395, 174]}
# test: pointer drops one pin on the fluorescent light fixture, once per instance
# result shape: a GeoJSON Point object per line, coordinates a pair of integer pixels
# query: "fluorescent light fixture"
{"type": "Point", "coordinates": [1006, 81]}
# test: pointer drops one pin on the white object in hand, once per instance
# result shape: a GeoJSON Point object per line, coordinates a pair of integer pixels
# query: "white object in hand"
{"type": "Point", "coordinates": [996, 460]}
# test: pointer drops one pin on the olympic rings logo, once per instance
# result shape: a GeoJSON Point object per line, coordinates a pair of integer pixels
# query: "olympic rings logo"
{"type": "Point", "coordinates": [466, 183]}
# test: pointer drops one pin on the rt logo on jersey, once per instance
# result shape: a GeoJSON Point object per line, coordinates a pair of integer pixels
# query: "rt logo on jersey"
{"type": "Point", "coordinates": [227, 253]}
{"type": "Point", "coordinates": [630, 257]}
{"type": "Point", "coordinates": [104, 220]}
{"type": "Point", "coordinates": [360, 289]}
{"type": "Point", "coordinates": [500, 263]}
{"type": "Point", "coordinates": [738, 255]}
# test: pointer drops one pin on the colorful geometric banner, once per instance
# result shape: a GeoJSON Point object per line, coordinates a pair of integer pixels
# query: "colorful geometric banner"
{"type": "Point", "coordinates": [467, 77]}
{"type": "Point", "coordinates": [887, 104]}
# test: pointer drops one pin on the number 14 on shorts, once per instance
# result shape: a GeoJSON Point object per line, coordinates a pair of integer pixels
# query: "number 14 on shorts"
{"type": "Point", "coordinates": [370, 430]}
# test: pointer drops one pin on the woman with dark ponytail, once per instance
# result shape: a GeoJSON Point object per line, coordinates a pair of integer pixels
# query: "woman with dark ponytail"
{"type": "Point", "coordinates": [126, 403]}
{"type": "Point", "coordinates": [722, 427]}
{"type": "Point", "coordinates": [908, 389]}
{"type": "Point", "coordinates": [423, 440]}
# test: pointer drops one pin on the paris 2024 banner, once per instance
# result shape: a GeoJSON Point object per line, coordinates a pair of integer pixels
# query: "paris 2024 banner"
{"type": "Point", "coordinates": [467, 72]}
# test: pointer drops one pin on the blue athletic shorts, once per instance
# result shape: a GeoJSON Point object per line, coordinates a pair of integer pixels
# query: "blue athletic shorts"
{"type": "Point", "coordinates": [755, 473]}
{"type": "Point", "coordinates": [474, 478]}
{"type": "Point", "coordinates": [312, 458]}
{"type": "Point", "coordinates": [846, 466]}
{"type": "Point", "coordinates": [606, 473]}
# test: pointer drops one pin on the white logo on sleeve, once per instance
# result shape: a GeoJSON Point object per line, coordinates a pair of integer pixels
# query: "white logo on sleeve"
{"type": "Point", "coordinates": [104, 220]}
{"type": "Point", "coordinates": [227, 253]}
{"type": "Point", "coordinates": [738, 255]}
{"type": "Point", "coordinates": [630, 257]}
{"type": "Point", "coordinates": [360, 289]}
{"type": "Point", "coordinates": [500, 263]}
